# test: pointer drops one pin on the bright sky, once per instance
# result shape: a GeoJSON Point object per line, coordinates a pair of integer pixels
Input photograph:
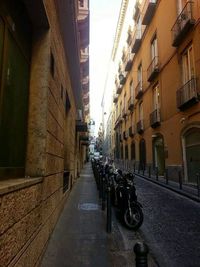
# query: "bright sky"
{"type": "Point", "coordinates": [103, 22]}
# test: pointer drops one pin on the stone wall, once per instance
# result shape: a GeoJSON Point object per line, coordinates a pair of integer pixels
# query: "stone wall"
{"type": "Point", "coordinates": [29, 211]}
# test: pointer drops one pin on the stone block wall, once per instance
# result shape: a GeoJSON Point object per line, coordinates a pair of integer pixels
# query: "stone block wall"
{"type": "Point", "coordinates": [29, 211]}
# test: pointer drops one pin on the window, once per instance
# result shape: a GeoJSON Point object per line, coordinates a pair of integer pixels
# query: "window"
{"type": "Point", "coordinates": [154, 47]}
{"type": "Point", "coordinates": [81, 2]}
{"type": "Point", "coordinates": [141, 111]}
{"type": "Point", "coordinates": [14, 92]}
{"type": "Point", "coordinates": [125, 103]}
{"type": "Point", "coordinates": [156, 97]}
{"type": "Point", "coordinates": [139, 75]}
{"type": "Point", "coordinates": [131, 90]}
{"type": "Point", "coordinates": [188, 71]}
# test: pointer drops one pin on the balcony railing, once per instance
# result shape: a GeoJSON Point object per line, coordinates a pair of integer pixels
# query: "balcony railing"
{"type": "Point", "coordinates": [131, 131]}
{"type": "Point", "coordinates": [188, 94]}
{"type": "Point", "coordinates": [122, 79]}
{"type": "Point", "coordinates": [137, 40]}
{"type": "Point", "coordinates": [128, 62]}
{"type": "Point", "coordinates": [153, 69]}
{"type": "Point", "coordinates": [125, 135]}
{"type": "Point", "coordinates": [137, 10]}
{"type": "Point", "coordinates": [115, 98]}
{"type": "Point", "coordinates": [138, 90]}
{"type": "Point", "coordinates": [148, 11]}
{"type": "Point", "coordinates": [131, 103]}
{"type": "Point", "coordinates": [155, 118]}
{"type": "Point", "coordinates": [118, 121]}
{"type": "Point", "coordinates": [119, 90]}
{"type": "Point", "coordinates": [140, 127]}
{"type": "Point", "coordinates": [183, 24]}
{"type": "Point", "coordinates": [124, 113]}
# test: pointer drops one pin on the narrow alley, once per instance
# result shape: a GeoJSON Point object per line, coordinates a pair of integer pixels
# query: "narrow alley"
{"type": "Point", "coordinates": [80, 238]}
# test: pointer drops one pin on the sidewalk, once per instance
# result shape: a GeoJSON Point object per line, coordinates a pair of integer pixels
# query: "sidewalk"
{"type": "Point", "coordinates": [80, 239]}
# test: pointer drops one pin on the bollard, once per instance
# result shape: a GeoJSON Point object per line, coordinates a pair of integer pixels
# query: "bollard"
{"type": "Point", "coordinates": [143, 168]}
{"type": "Point", "coordinates": [198, 184]}
{"type": "Point", "coordinates": [103, 203]}
{"type": "Point", "coordinates": [180, 180]}
{"type": "Point", "coordinates": [157, 173]}
{"type": "Point", "coordinates": [134, 167]}
{"type": "Point", "coordinates": [100, 186]}
{"type": "Point", "coordinates": [149, 171]}
{"type": "Point", "coordinates": [109, 211]}
{"type": "Point", "coordinates": [141, 254]}
{"type": "Point", "coordinates": [166, 176]}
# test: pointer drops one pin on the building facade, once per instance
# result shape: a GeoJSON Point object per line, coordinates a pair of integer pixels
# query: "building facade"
{"type": "Point", "coordinates": [156, 102]}
{"type": "Point", "coordinates": [44, 74]}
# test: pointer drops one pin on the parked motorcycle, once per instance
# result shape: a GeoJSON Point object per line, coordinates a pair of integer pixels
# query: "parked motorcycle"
{"type": "Point", "coordinates": [123, 196]}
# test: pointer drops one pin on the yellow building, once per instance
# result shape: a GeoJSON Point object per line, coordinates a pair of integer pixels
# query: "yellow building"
{"type": "Point", "coordinates": [43, 133]}
{"type": "Point", "coordinates": [157, 108]}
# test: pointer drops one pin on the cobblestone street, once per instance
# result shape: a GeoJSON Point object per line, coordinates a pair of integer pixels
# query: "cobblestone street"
{"type": "Point", "coordinates": [171, 225]}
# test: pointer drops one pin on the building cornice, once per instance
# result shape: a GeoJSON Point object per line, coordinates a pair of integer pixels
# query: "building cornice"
{"type": "Point", "coordinates": [120, 23]}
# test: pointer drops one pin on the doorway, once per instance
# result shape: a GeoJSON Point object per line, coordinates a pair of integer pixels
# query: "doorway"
{"type": "Point", "coordinates": [159, 154]}
{"type": "Point", "coordinates": [192, 154]}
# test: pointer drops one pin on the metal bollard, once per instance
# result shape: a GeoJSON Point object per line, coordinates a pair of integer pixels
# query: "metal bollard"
{"type": "Point", "coordinates": [143, 168]}
{"type": "Point", "coordinates": [103, 203]}
{"type": "Point", "coordinates": [134, 167]}
{"type": "Point", "coordinates": [166, 176]}
{"type": "Point", "coordinates": [149, 171]}
{"type": "Point", "coordinates": [100, 186]}
{"type": "Point", "coordinates": [157, 173]}
{"type": "Point", "coordinates": [180, 180]}
{"type": "Point", "coordinates": [198, 184]}
{"type": "Point", "coordinates": [141, 254]}
{"type": "Point", "coordinates": [109, 211]}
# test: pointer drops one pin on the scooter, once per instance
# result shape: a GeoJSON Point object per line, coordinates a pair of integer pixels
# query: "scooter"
{"type": "Point", "coordinates": [126, 200]}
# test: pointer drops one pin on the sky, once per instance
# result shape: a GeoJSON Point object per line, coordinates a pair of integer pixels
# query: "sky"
{"type": "Point", "coordinates": [103, 22]}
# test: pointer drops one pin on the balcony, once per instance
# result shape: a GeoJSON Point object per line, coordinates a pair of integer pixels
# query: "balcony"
{"type": "Point", "coordinates": [137, 40]}
{"type": "Point", "coordinates": [124, 113]}
{"type": "Point", "coordinates": [128, 62]}
{"type": "Point", "coordinates": [118, 121]}
{"type": "Point", "coordinates": [125, 135]}
{"type": "Point", "coordinates": [148, 11]}
{"type": "Point", "coordinates": [188, 95]}
{"type": "Point", "coordinates": [115, 98]}
{"type": "Point", "coordinates": [131, 131]}
{"type": "Point", "coordinates": [131, 103]}
{"type": "Point", "coordinates": [140, 127]}
{"type": "Point", "coordinates": [155, 118]}
{"type": "Point", "coordinates": [138, 90]}
{"type": "Point", "coordinates": [129, 37]}
{"type": "Point", "coordinates": [119, 90]}
{"type": "Point", "coordinates": [153, 69]}
{"type": "Point", "coordinates": [137, 10]}
{"type": "Point", "coordinates": [122, 79]}
{"type": "Point", "coordinates": [183, 24]}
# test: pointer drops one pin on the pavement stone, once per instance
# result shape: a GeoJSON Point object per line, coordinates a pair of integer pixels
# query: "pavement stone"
{"type": "Point", "coordinates": [80, 239]}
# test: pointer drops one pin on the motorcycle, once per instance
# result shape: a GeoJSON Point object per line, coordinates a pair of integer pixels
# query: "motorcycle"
{"type": "Point", "coordinates": [125, 199]}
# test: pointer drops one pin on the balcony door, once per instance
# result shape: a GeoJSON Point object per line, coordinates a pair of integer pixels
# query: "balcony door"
{"type": "Point", "coordinates": [156, 97]}
{"type": "Point", "coordinates": [154, 49]}
{"type": "Point", "coordinates": [188, 65]}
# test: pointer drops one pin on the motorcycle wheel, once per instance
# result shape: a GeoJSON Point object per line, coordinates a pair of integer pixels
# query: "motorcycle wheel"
{"type": "Point", "coordinates": [134, 220]}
